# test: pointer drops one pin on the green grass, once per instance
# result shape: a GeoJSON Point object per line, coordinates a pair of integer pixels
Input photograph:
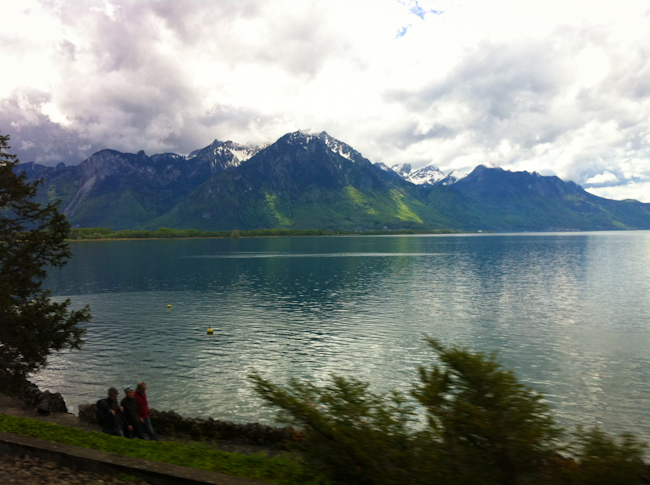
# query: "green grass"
{"type": "Point", "coordinates": [282, 470]}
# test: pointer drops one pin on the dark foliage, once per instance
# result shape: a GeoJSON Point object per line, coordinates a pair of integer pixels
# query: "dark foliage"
{"type": "Point", "coordinates": [476, 425]}
{"type": "Point", "coordinates": [32, 240]}
{"type": "Point", "coordinates": [603, 461]}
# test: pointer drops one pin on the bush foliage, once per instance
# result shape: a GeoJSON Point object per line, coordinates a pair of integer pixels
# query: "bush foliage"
{"type": "Point", "coordinates": [466, 421]}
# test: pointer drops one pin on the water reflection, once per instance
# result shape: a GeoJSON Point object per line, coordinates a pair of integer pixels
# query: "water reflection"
{"type": "Point", "coordinates": [570, 313]}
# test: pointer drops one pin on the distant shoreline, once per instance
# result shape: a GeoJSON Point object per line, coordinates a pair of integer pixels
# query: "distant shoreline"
{"type": "Point", "coordinates": [342, 234]}
{"type": "Point", "coordinates": [105, 234]}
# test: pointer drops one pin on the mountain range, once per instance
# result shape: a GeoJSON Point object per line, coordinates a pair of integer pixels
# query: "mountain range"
{"type": "Point", "coordinates": [314, 181]}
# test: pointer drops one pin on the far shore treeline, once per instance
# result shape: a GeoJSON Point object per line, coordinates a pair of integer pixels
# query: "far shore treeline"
{"type": "Point", "coordinates": [92, 233]}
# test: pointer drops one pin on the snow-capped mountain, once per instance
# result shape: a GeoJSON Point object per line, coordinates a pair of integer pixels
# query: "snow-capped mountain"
{"type": "Point", "coordinates": [383, 166]}
{"type": "Point", "coordinates": [340, 148]}
{"type": "Point", "coordinates": [402, 169]}
{"type": "Point", "coordinates": [453, 177]}
{"type": "Point", "coordinates": [429, 175]}
{"type": "Point", "coordinates": [336, 146]}
{"type": "Point", "coordinates": [224, 155]}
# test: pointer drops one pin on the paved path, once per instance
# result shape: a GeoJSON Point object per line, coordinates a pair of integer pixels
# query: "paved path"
{"type": "Point", "coordinates": [29, 470]}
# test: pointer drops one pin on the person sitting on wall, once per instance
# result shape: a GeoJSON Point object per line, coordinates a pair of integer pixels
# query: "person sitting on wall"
{"type": "Point", "coordinates": [109, 414]}
{"type": "Point", "coordinates": [132, 426]}
{"type": "Point", "coordinates": [143, 410]}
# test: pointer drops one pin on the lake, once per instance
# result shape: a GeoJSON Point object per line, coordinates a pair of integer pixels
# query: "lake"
{"type": "Point", "coordinates": [569, 312]}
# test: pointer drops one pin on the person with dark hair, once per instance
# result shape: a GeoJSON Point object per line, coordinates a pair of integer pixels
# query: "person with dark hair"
{"type": "Point", "coordinates": [109, 414]}
{"type": "Point", "coordinates": [132, 426]}
{"type": "Point", "coordinates": [143, 410]}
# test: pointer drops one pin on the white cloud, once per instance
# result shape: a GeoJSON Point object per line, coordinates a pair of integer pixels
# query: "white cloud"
{"type": "Point", "coordinates": [634, 190]}
{"type": "Point", "coordinates": [559, 87]}
{"type": "Point", "coordinates": [602, 178]}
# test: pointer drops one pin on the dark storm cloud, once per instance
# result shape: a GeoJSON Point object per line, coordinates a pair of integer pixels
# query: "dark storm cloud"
{"type": "Point", "coordinates": [34, 138]}
{"type": "Point", "coordinates": [126, 85]}
{"type": "Point", "coordinates": [117, 91]}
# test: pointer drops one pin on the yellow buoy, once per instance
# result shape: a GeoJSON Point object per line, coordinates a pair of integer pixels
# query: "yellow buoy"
{"type": "Point", "coordinates": [210, 331]}
{"type": "Point", "coordinates": [169, 305]}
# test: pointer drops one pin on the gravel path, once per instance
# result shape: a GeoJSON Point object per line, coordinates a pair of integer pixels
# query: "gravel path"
{"type": "Point", "coordinates": [28, 470]}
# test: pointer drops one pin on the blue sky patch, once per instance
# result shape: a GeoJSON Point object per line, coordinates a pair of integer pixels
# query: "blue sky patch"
{"type": "Point", "coordinates": [418, 10]}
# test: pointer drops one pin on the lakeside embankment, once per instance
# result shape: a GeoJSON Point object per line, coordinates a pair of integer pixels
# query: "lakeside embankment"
{"type": "Point", "coordinates": [245, 438]}
{"type": "Point", "coordinates": [29, 429]}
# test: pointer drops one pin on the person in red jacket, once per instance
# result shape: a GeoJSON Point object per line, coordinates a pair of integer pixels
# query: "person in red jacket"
{"type": "Point", "coordinates": [143, 410]}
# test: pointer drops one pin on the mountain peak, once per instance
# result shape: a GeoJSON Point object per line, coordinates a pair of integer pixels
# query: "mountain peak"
{"type": "Point", "coordinates": [224, 155]}
{"type": "Point", "coordinates": [402, 169]}
{"type": "Point", "coordinates": [340, 148]}
{"type": "Point", "coordinates": [302, 137]}
{"type": "Point", "coordinates": [429, 175]}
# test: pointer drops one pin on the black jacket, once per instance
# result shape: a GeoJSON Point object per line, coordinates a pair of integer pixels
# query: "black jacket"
{"type": "Point", "coordinates": [130, 405]}
{"type": "Point", "coordinates": [104, 415]}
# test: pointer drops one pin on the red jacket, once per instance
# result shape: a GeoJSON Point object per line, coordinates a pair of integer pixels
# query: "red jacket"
{"type": "Point", "coordinates": [143, 407]}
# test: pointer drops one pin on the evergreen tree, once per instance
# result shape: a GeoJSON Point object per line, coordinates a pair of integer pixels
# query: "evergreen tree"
{"type": "Point", "coordinates": [32, 240]}
{"type": "Point", "coordinates": [488, 423]}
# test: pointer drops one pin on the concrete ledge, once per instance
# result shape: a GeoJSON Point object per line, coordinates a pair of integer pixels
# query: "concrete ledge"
{"type": "Point", "coordinates": [84, 459]}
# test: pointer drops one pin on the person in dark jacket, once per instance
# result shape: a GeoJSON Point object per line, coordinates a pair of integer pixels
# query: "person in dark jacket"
{"type": "Point", "coordinates": [132, 427]}
{"type": "Point", "coordinates": [143, 410]}
{"type": "Point", "coordinates": [109, 414]}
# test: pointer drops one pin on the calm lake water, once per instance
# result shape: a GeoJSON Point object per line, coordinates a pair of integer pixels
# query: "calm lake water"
{"type": "Point", "coordinates": [570, 313]}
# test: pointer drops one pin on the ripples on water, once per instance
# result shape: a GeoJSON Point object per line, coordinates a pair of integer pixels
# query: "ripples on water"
{"type": "Point", "coordinates": [569, 312]}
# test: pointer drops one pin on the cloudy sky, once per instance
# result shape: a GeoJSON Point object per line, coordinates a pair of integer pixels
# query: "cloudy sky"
{"type": "Point", "coordinates": [556, 86]}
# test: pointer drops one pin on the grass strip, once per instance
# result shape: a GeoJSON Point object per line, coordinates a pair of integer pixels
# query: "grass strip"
{"type": "Point", "coordinates": [281, 470]}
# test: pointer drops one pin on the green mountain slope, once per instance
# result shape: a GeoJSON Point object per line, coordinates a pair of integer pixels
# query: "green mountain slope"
{"type": "Point", "coordinates": [307, 181]}
{"type": "Point", "coordinates": [302, 182]}
{"type": "Point", "coordinates": [521, 201]}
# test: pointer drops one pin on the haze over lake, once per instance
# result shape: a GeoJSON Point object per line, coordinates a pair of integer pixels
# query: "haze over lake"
{"type": "Point", "coordinates": [569, 312]}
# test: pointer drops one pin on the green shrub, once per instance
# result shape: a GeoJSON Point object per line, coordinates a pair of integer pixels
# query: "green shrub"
{"type": "Point", "coordinates": [603, 461]}
{"type": "Point", "coordinates": [475, 424]}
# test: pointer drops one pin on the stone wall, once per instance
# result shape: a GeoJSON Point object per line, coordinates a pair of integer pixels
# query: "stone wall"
{"type": "Point", "coordinates": [170, 423]}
